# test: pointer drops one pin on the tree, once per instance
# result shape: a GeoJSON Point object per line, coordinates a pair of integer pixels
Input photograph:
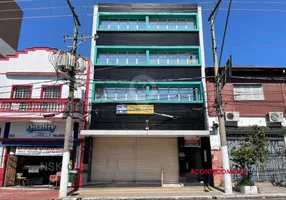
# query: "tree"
{"type": "Point", "coordinates": [252, 153]}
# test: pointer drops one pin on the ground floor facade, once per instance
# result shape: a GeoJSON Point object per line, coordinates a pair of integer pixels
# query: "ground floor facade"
{"type": "Point", "coordinates": [273, 170]}
{"type": "Point", "coordinates": [162, 160]}
{"type": "Point", "coordinates": [32, 152]}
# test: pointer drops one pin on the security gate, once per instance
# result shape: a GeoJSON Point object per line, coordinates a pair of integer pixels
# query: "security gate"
{"type": "Point", "coordinates": [274, 169]}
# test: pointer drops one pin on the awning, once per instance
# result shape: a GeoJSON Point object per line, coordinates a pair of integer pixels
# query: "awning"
{"type": "Point", "coordinates": [144, 133]}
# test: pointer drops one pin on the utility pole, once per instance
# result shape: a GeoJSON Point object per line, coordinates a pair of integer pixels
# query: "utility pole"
{"type": "Point", "coordinates": [69, 121]}
{"type": "Point", "coordinates": [220, 112]}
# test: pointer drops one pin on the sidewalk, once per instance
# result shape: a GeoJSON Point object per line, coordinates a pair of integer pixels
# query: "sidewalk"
{"type": "Point", "coordinates": [21, 193]}
{"type": "Point", "coordinates": [155, 193]}
{"type": "Point", "coordinates": [197, 192]}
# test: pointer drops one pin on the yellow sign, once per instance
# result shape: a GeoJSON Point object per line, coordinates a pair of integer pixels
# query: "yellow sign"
{"type": "Point", "coordinates": [135, 109]}
{"type": "Point", "coordinates": [140, 109]}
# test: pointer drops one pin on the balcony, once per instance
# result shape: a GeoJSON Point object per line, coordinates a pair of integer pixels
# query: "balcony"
{"type": "Point", "coordinates": [8, 107]}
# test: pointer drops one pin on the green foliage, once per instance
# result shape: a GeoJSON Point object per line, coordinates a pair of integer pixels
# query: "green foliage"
{"type": "Point", "coordinates": [252, 152]}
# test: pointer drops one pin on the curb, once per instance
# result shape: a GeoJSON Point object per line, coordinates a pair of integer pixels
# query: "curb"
{"type": "Point", "coordinates": [236, 196]}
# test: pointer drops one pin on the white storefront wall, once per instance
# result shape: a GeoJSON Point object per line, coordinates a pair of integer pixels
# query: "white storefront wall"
{"type": "Point", "coordinates": [243, 122]}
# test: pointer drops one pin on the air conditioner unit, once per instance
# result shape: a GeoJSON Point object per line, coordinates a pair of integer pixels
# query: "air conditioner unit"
{"type": "Point", "coordinates": [231, 116]}
{"type": "Point", "coordinates": [276, 116]}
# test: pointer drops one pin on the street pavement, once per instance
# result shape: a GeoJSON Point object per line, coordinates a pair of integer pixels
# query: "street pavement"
{"type": "Point", "coordinates": [267, 191]}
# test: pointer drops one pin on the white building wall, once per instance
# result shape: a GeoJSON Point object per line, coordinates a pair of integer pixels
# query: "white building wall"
{"type": "Point", "coordinates": [33, 61]}
{"type": "Point", "coordinates": [203, 71]}
{"type": "Point", "coordinates": [243, 122]}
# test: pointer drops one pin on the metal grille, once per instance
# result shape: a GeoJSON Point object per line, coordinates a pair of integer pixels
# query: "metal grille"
{"type": "Point", "coordinates": [22, 92]}
{"type": "Point", "coordinates": [51, 92]}
{"type": "Point", "coordinates": [274, 168]}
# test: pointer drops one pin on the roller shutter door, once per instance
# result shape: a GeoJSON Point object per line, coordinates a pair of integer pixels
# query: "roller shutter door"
{"type": "Point", "coordinates": [135, 159]}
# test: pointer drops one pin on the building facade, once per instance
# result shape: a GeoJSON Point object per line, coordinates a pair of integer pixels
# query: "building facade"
{"type": "Point", "coordinates": [253, 96]}
{"type": "Point", "coordinates": [10, 28]}
{"type": "Point", "coordinates": [33, 99]}
{"type": "Point", "coordinates": [148, 122]}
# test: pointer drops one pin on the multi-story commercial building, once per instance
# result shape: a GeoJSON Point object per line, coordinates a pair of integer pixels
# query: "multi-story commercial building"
{"type": "Point", "coordinates": [33, 99]}
{"type": "Point", "coordinates": [148, 122]}
{"type": "Point", "coordinates": [253, 96]}
{"type": "Point", "coordinates": [10, 28]}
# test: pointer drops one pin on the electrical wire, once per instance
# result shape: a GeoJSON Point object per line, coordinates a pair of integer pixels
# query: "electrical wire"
{"type": "Point", "coordinates": [224, 32]}
{"type": "Point", "coordinates": [92, 15]}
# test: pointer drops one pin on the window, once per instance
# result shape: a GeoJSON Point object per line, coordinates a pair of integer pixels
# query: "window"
{"type": "Point", "coordinates": [22, 92]}
{"type": "Point", "coordinates": [248, 92]}
{"type": "Point", "coordinates": [121, 58]}
{"type": "Point", "coordinates": [172, 24]}
{"type": "Point", "coordinates": [122, 24]}
{"type": "Point", "coordinates": [141, 93]}
{"type": "Point", "coordinates": [51, 92]}
{"type": "Point", "coordinates": [173, 58]}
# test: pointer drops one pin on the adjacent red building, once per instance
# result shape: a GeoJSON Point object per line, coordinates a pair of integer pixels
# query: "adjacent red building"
{"type": "Point", "coordinates": [253, 96]}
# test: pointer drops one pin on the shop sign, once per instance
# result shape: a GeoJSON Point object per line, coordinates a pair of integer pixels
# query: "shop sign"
{"type": "Point", "coordinates": [44, 130]}
{"type": "Point", "coordinates": [135, 109]}
{"type": "Point", "coordinates": [38, 151]}
{"type": "Point", "coordinates": [192, 142]}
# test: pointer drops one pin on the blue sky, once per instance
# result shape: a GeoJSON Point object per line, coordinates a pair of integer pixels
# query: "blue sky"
{"type": "Point", "coordinates": [253, 37]}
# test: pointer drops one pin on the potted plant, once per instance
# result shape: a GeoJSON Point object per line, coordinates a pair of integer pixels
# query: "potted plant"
{"type": "Point", "coordinates": [251, 153]}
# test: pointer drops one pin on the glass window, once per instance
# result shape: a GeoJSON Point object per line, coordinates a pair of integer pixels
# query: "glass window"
{"type": "Point", "coordinates": [172, 58]}
{"type": "Point", "coordinates": [174, 93]}
{"type": "Point", "coordinates": [131, 94]}
{"type": "Point", "coordinates": [121, 93]}
{"type": "Point", "coordinates": [141, 93]}
{"type": "Point", "coordinates": [53, 92]}
{"type": "Point", "coordinates": [153, 59]}
{"type": "Point", "coordinates": [181, 24]}
{"type": "Point", "coordinates": [132, 24]}
{"type": "Point", "coordinates": [248, 92]}
{"type": "Point", "coordinates": [102, 58]}
{"type": "Point", "coordinates": [154, 93]}
{"type": "Point", "coordinates": [112, 58]}
{"type": "Point", "coordinates": [141, 58]}
{"type": "Point", "coordinates": [163, 58]}
{"type": "Point", "coordinates": [164, 94]}
{"type": "Point", "coordinates": [162, 24]}
{"type": "Point", "coordinates": [153, 23]}
{"type": "Point", "coordinates": [193, 59]}
{"type": "Point", "coordinates": [184, 94]}
{"type": "Point", "coordinates": [21, 92]}
{"type": "Point", "coordinates": [104, 24]}
{"type": "Point", "coordinates": [110, 93]}
{"type": "Point", "coordinates": [171, 24]}
{"type": "Point", "coordinates": [113, 24]}
{"type": "Point", "coordinates": [190, 24]}
{"type": "Point", "coordinates": [122, 58]}
{"type": "Point", "coordinates": [123, 24]}
{"type": "Point", "coordinates": [141, 24]}
{"type": "Point", "coordinates": [99, 93]}
{"type": "Point", "coordinates": [132, 57]}
{"type": "Point", "coordinates": [183, 58]}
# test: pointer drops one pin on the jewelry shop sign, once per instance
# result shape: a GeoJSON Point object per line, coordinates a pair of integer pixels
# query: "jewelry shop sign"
{"type": "Point", "coordinates": [39, 151]}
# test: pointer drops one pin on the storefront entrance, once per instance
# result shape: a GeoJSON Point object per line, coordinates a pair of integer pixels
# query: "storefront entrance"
{"type": "Point", "coordinates": [32, 165]}
{"type": "Point", "coordinates": [191, 157]}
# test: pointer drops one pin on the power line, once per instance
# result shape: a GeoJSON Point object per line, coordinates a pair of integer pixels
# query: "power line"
{"type": "Point", "coordinates": [91, 15]}
{"type": "Point", "coordinates": [224, 32]}
{"type": "Point", "coordinates": [19, 1]}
